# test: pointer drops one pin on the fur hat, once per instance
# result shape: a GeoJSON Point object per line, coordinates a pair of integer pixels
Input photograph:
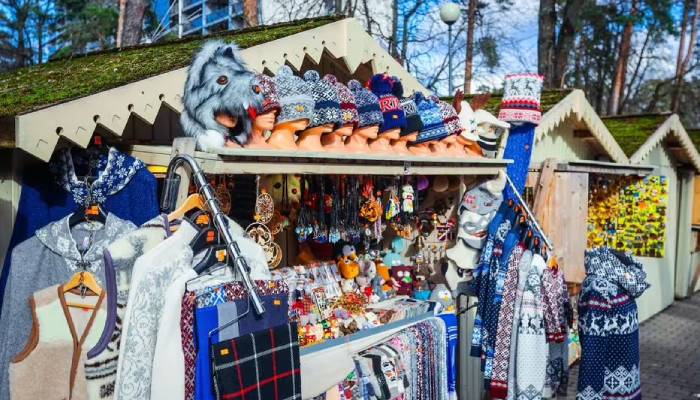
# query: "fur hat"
{"type": "Point", "coordinates": [219, 83]}
{"type": "Point", "coordinates": [326, 99]}
{"type": "Point", "coordinates": [521, 99]}
{"type": "Point", "coordinates": [449, 117]}
{"type": "Point", "coordinates": [294, 96]}
{"type": "Point", "coordinates": [430, 115]}
{"type": "Point", "coordinates": [381, 85]}
{"type": "Point", "coordinates": [271, 101]}
{"type": "Point", "coordinates": [367, 105]}
{"type": "Point", "coordinates": [348, 109]}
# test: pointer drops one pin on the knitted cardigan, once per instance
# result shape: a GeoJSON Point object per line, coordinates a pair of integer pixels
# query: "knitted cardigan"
{"type": "Point", "coordinates": [130, 193]}
{"type": "Point", "coordinates": [532, 350]}
{"type": "Point", "coordinates": [609, 326]}
{"type": "Point", "coordinates": [523, 271]}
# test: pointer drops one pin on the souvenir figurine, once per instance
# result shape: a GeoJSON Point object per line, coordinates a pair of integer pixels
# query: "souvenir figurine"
{"type": "Point", "coordinates": [327, 113]}
{"type": "Point", "coordinates": [220, 102]}
{"type": "Point", "coordinates": [407, 197]}
{"type": "Point", "coordinates": [335, 141]}
{"type": "Point", "coordinates": [370, 118]}
{"type": "Point", "coordinates": [441, 295]}
{"type": "Point", "coordinates": [394, 118]}
{"type": "Point", "coordinates": [265, 119]}
{"type": "Point", "coordinates": [296, 109]}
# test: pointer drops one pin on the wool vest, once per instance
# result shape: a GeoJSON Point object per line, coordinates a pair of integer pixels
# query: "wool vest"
{"type": "Point", "coordinates": [51, 366]}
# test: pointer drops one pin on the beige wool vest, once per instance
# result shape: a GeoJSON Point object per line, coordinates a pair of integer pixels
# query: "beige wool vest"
{"type": "Point", "coordinates": [51, 366]}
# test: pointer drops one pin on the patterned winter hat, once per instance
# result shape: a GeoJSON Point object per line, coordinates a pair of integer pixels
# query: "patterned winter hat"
{"type": "Point", "coordinates": [271, 101]}
{"type": "Point", "coordinates": [327, 101]}
{"type": "Point", "coordinates": [413, 122]}
{"type": "Point", "coordinates": [367, 105]}
{"type": "Point", "coordinates": [430, 115]}
{"type": "Point", "coordinates": [521, 99]}
{"type": "Point", "coordinates": [449, 117]}
{"type": "Point", "coordinates": [294, 96]}
{"type": "Point", "coordinates": [348, 109]}
{"type": "Point", "coordinates": [394, 117]}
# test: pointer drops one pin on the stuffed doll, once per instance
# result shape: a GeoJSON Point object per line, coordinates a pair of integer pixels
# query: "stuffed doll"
{"type": "Point", "coordinates": [442, 296]}
{"type": "Point", "coordinates": [404, 275]}
{"type": "Point", "coordinates": [221, 97]}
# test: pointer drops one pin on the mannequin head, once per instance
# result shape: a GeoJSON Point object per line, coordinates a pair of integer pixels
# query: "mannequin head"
{"type": "Point", "coordinates": [293, 126]}
{"type": "Point", "coordinates": [391, 133]}
{"type": "Point", "coordinates": [320, 129]}
{"type": "Point", "coordinates": [265, 122]}
{"type": "Point", "coordinates": [345, 130]}
{"type": "Point", "coordinates": [367, 132]}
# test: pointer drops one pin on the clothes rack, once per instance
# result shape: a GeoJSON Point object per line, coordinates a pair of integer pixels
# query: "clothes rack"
{"type": "Point", "coordinates": [523, 204]}
{"type": "Point", "coordinates": [220, 223]}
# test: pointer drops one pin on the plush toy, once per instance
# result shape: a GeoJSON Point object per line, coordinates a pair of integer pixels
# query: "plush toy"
{"type": "Point", "coordinates": [220, 97]}
{"type": "Point", "coordinates": [403, 276]}
{"type": "Point", "coordinates": [407, 195]}
{"type": "Point", "coordinates": [347, 263]}
{"type": "Point", "coordinates": [393, 258]}
{"type": "Point", "coordinates": [441, 295]}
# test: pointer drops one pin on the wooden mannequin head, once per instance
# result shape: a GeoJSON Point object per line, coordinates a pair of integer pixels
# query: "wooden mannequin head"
{"type": "Point", "coordinates": [265, 122]}
{"type": "Point", "coordinates": [283, 134]}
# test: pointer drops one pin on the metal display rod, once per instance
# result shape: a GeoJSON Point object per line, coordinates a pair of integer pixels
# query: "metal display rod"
{"type": "Point", "coordinates": [530, 214]}
{"type": "Point", "coordinates": [220, 221]}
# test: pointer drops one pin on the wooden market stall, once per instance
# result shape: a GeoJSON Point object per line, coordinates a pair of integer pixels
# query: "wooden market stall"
{"type": "Point", "coordinates": [661, 140]}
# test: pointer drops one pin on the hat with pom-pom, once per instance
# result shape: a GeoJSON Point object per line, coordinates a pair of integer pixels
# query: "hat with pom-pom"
{"type": "Point", "coordinates": [394, 118]}
{"type": "Point", "coordinates": [450, 118]}
{"type": "Point", "coordinates": [348, 109]}
{"type": "Point", "coordinates": [410, 110]}
{"type": "Point", "coordinates": [367, 104]}
{"type": "Point", "coordinates": [269, 91]}
{"type": "Point", "coordinates": [327, 101]}
{"type": "Point", "coordinates": [294, 96]}
{"type": "Point", "coordinates": [431, 116]}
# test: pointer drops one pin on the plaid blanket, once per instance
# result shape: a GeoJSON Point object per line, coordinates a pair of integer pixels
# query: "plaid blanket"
{"type": "Point", "coordinates": [263, 365]}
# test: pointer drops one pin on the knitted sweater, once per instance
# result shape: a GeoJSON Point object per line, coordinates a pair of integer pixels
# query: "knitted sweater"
{"type": "Point", "coordinates": [49, 258]}
{"type": "Point", "coordinates": [532, 350]}
{"type": "Point", "coordinates": [609, 326]}
{"type": "Point", "coordinates": [128, 190]}
{"type": "Point", "coordinates": [523, 271]}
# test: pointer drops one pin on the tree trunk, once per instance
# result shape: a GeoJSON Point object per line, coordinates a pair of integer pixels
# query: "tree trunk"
{"type": "Point", "coordinates": [565, 41]}
{"type": "Point", "coordinates": [469, 64]}
{"type": "Point", "coordinates": [545, 40]}
{"type": "Point", "coordinates": [132, 22]}
{"type": "Point", "coordinates": [622, 60]}
{"type": "Point", "coordinates": [685, 56]}
{"type": "Point", "coordinates": [120, 22]}
{"type": "Point", "coordinates": [250, 12]}
{"type": "Point", "coordinates": [393, 47]}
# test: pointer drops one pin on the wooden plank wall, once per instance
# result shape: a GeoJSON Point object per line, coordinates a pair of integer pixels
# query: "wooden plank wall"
{"type": "Point", "coordinates": [696, 201]}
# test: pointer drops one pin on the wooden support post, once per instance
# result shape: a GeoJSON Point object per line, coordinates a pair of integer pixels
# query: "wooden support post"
{"type": "Point", "coordinates": [182, 145]}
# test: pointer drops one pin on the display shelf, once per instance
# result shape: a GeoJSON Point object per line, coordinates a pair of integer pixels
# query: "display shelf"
{"type": "Point", "coordinates": [252, 161]}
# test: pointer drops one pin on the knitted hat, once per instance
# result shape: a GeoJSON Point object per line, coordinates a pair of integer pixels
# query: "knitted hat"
{"type": "Point", "coordinates": [413, 122]}
{"type": "Point", "coordinates": [327, 101]}
{"type": "Point", "coordinates": [348, 109]}
{"type": "Point", "coordinates": [521, 98]}
{"type": "Point", "coordinates": [294, 96]}
{"type": "Point", "coordinates": [449, 118]}
{"type": "Point", "coordinates": [367, 105]}
{"type": "Point", "coordinates": [430, 115]}
{"type": "Point", "coordinates": [394, 117]}
{"type": "Point", "coordinates": [271, 101]}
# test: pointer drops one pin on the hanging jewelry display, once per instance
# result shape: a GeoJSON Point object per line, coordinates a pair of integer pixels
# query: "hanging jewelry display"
{"type": "Point", "coordinates": [304, 227]}
{"type": "Point", "coordinates": [320, 233]}
{"type": "Point", "coordinates": [259, 231]}
{"type": "Point", "coordinates": [223, 194]}
{"type": "Point", "coordinates": [334, 233]}
{"type": "Point", "coordinates": [353, 229]}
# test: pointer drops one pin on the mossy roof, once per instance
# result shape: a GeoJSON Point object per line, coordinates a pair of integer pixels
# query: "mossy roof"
{"type": "Point", "coordinates": [631, 131]}
{"type": "Point", "coordinates": [548, 99]}
{"type": "Point", "coordinates": [27, 89]}
{"type": "Point", "coordinates": [694, 134]}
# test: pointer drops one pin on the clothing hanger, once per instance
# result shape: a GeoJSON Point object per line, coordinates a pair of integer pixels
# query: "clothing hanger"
{"type": "Point", "coordinates": [214, 254]}
{"type": "Point", "coordinates": [231, 322]}
{"type": "Point", "coordinates": [93, 213]}
{"type": "Point", "coordinates": [192, 202]}
{"type": "Point", "coordinates": [84, 280]}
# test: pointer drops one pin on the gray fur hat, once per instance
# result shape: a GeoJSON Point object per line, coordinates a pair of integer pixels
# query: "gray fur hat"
{"type": "Point", "coordinates": [326, 98]}
{"type": "Point", "coordinates": [367, 105]}
{"type": "Point", "coordinates": [295, 97]}
{"type": "Point", "coordinates": [219, 83]}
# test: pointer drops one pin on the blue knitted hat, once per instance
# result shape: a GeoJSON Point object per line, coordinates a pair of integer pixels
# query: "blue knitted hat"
{"type": "Point", "coordinates": [381, 85]}
{"type": "Point", "coordinates": [327, 101]}
{"type": "Point", "coordinates": [294, 96]}
{"type": "Point", "coordinates": [367, 105]}
{"type": "Point", "coordinates": [431, 116]}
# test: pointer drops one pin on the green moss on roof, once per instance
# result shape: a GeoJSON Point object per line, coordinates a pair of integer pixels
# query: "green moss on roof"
{"type": "Point", "coordinates": [548, 99]}
{"type": "Point", "coordinates": [27, 89]}
{"type": "Point", "coordinates": [631, 131]}
{"type": "Point", "coordinates": [694, 134]}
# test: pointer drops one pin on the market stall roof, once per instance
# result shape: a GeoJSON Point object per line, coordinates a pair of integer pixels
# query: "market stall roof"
{"type": "Point", "coordinates": [640, 134]}
{"type": "Point", "coordinates": [557, 106]}
{"type": "Point", "coordinates": [70, 98]}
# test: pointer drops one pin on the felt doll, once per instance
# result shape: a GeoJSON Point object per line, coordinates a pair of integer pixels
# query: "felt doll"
{"type": "Point", "coordinates": [220, 99]}
{"type": "Point", "coordinates": [407, 196]}
{"type": "Point", "coordinates": [403, 275]}
{"type": "Point", "coordinates": [441, 295]}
